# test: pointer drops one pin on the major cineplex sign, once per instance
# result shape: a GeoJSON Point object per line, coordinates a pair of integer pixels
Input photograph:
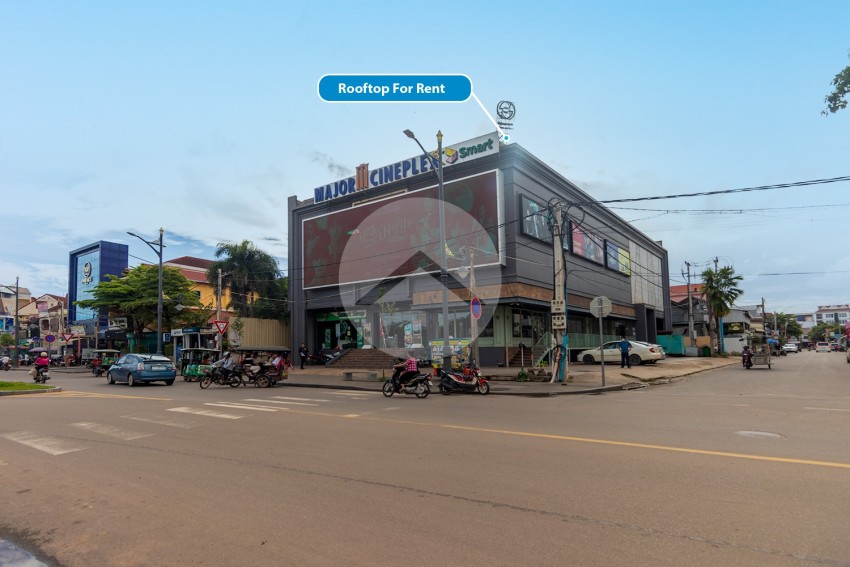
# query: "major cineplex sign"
{"type": "Point", "coordinates": [365, 179]}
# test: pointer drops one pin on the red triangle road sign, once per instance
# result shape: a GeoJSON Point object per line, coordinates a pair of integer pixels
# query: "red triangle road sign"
{"type": "Point", "coordinates": [221, 326]}
{"type": "Point", "coordinates": [67, 336]}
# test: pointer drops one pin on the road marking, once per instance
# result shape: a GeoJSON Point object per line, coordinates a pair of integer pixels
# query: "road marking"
{"type": "Point", "coordinates": [162, 421]}
{"type": "Point", "coordinates": [207, 413]}
{"type": "Point", "coordinates": [73, 394]}
{"type": "Point", "coordinates": [746, 456]}
{"type": "Point", "coordinates": [350, 393]}
{"type": "Point", "coordinates": [281, 402]}
{"type": "Point", "coordinates": [111, 431]}
{"type": "Point", "coordinates": [351, 415]}
{"type": "Point", "coordinates": [300, 399]}
{"type": "Point", "coordinates": [50, 445]}
{"type": "Point", "coordinates": [237, 405]}
{"type": "Point", "coordinates": [828, 409]}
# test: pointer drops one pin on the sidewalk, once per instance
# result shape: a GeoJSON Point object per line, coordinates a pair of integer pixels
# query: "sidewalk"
{"type": "Point", "coordinates": [584, 379]}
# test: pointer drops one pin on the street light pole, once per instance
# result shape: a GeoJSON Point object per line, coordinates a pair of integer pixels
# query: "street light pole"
{"type": "Point", "coordinates": [444, 273]}
{"type": "Point", "coordinates": [158, 252]}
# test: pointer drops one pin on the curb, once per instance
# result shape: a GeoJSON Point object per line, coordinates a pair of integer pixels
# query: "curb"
{"type": "Point", "coordinates": [21, 392]}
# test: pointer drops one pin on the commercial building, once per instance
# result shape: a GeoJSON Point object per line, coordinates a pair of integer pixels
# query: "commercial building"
{"type": "Point", "coordinates": [365, 255]}
{"type": "Point", "coordinates": [87, 267]}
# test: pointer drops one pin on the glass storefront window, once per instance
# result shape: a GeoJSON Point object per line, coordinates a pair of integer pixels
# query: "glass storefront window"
{"type": "Point", "coordinates": [527, 324]}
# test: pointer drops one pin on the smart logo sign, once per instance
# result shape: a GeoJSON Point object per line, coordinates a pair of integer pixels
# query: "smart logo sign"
{"type": "Point", "coordinates": [365, 179]}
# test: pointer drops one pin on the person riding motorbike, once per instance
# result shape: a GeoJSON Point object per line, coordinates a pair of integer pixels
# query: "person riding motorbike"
{"type": "Point", "coordinates": [225, 363]}
{"type": "Point", "coordinates": [42, 363]}
{"type": "Point", "coordinates": [5, 363]}
{"type": "Point", "coordinates": [746, 355]}
{"type": "Point", "coordinates": [405, 371]}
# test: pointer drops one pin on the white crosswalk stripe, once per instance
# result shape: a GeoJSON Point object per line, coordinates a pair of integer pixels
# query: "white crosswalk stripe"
{"type": "Point", "coordinates": [300, 399]}
{"type": "Point", "coordinates": [45, 444]}
{"type": "Point", "coordinates": [206, 412]}
{"type": "Point", "coordinates": [111, 431]}
{"type": "Point", "coordinates": [283, 402]}
{"type": "Point", "coordinates": [237, 405]}
{"type": "Point", "coordinates": [161, 421]}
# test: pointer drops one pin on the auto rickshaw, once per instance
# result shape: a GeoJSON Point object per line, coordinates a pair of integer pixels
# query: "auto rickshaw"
{"type": "Point", "coordinates": [195, 362]}
{"type": "Point", "coordinates": [103, 359]}
{"type": "Point", "coordinates": [254, 364]}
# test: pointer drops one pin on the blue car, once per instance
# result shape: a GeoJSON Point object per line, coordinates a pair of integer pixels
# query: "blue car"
{"type": "Point", "coordinates": [137, 368]}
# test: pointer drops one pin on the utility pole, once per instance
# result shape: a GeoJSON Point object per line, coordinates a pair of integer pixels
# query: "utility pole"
{"type": "Point", "coordinates": [473, 320]}
{"type": "Point", "coordinates": [218, 312]}
{"type": "Point", "coordinates": [690, 310]}
{"type": "Point", "coordinates": [17, 353]}
{"type": "Point", "coordinates": [763, 321]}
{"type": "Point", "coordinates": [559, 303]}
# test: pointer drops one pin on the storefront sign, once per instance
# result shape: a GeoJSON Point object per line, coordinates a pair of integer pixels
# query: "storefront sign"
{"type": "Point", "coordinates": [465, 151]}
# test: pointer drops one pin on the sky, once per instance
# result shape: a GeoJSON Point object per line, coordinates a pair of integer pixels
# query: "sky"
{"type": "Point", "coordinates": [203, 118]}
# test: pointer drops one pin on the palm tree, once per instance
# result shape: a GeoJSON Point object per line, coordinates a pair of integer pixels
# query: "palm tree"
{"type": "Point", "coordinates": [720, 290]}
{"type": "Point", "coordinates": [249, 272]}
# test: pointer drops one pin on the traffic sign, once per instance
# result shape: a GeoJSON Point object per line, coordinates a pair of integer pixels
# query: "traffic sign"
{"type": "Point", "coordinates": [49, 338]}
{"type": "Point", "coordinates": [475, 307]}
{"type": "Point", "coordinates": [600, 306]}
{"type": "Point", "coordinates": [67, 336]}
{"type": "Point", "coordinates": [221, 326]}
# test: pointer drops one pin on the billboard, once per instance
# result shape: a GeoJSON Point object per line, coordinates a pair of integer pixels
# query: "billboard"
{"type": "Point", "coordinates": [400, 235]}
{"type": "Point", "coordinates": [586, 244]}
{"type": "Point", "coordinates": [617, 258]}
{"type": "Point", "coordinates": [534, 219]}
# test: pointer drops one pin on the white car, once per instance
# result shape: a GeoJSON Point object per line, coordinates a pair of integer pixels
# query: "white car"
{"type": "Point", "coordinates": [790, 347]}
{"type": "Point", "coordinates": [641, 352]}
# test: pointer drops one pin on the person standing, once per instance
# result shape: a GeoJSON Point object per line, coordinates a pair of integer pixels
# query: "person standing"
{"type": "Point", "coordinates": [303, 353]}
{"type": "Point", "coordinates": [624, 346]}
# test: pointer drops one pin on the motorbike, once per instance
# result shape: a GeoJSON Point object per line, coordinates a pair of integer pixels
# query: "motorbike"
{"type": "Point", "coordinates": [419, 385]}
{"type": "Point", "coordinates": [41, 375]}
{"type": "Point", "coordinates": [234, 379]}
{"type": "Point", "coordinates": [470, 380]}
{"type": "Point", "coordinates": [747, 359]}
{"type": "Point", "coordinates": [6, 365]}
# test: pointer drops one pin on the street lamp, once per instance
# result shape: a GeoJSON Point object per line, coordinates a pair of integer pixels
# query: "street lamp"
{"type": "Point", "coordinates": [444, 274]}
{"type": "Point", "coordinates": [158, 252]}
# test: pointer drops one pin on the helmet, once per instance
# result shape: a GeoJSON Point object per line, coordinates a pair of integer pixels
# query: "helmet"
{"type": "Point", "coordinates": [43, 354]}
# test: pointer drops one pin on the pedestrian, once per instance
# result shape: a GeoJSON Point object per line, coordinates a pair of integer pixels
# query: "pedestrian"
{"type": "Point", "coordinates": [624, 346]}
{"type": "Point", "coordinates": [303, 353]}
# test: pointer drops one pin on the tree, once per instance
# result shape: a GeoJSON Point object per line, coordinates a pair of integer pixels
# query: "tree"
{"type": "Point", "coordinates": [135, 295]}
{"type": "Point", "coordinates": [249, 272]}
{"type": "Point", "coordinates": [276, 306]}
{"type": "Point", "coordinates": [6, 340]}
{"type": "Point", "coordinates": [720, 290]}
{"type": "Point", "coordinates": [837, 99]}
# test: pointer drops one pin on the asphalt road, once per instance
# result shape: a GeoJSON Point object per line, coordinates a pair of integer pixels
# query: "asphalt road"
{"type": "Point", "coordinates": [729, 467]}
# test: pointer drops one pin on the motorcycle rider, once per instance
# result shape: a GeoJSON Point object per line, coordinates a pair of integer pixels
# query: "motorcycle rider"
{"type": "Point", "coordinates": [4, 362]}
{"type": "Point", "coordinates": [225, 363]}
{"type": "Point", "coordinates": [42, 364]}
{"type": "Point", "coordinates": [405, 371]}
{"type": "Point", "coordinates": [745, 355]}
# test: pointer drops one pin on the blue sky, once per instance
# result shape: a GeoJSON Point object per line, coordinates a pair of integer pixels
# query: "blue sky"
{"type": "Point", "coordinates": [202, 117]}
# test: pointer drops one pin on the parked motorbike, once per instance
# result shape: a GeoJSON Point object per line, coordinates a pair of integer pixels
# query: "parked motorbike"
{"type": "Point", "coordinates": [469, 380]}
{"type": "Point", "coordinates": [216, 375]}
{"type": "Point", "coordinates": [41, 375]}
{"type": "Point", "coordinates": [747, 359]}
{"type": "Point", "coordinates": [419, 385]}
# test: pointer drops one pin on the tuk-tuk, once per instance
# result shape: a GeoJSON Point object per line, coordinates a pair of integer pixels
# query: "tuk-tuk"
{"type": "Point", "coordinates": [103, 359]}
{"type": "Point", "coordinates": [194, 362]}
{"type": "Point", "coordinates": [255, 365]}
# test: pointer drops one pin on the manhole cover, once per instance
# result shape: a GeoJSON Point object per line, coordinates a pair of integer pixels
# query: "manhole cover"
{"type": "Point", "coordinates": [761, 434]}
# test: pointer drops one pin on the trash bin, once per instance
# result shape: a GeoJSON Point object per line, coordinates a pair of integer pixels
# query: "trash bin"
{"type": "Point", "coordinates": [706, 351]}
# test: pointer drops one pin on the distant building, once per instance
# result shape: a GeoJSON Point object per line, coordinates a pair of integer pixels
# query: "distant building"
{"type": "Point", "coordinates": [87, 267]}
{"type": "Point", "coordinates": [8, 307]}
{"type": "Point", "coordinates": [832, 314]}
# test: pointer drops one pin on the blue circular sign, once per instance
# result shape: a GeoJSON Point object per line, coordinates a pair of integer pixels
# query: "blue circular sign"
{"type": "Point", "coordinates": [475, 307]}
{"type": "Point", "coordinates": [49, 338]}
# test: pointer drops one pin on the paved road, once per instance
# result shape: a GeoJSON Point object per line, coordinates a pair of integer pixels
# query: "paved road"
{"type": "Point", "coordinates": [729, 467]}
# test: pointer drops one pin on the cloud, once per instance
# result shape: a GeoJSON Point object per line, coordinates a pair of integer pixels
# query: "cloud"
{"type": "Point", "coordinates": [337, 169]}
